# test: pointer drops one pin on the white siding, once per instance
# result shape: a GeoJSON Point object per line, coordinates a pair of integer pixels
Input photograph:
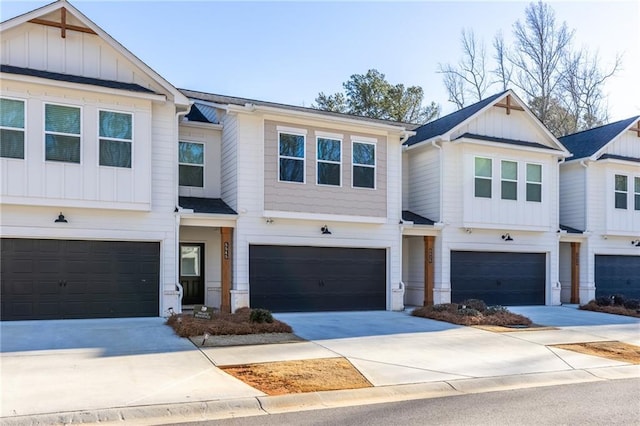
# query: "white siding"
{"type": "Point", "coordinates": [424, 182]}
{"type": "Point", "coordinates": [229, 159]}
{"type": "Point", "coordinates": [572, 196]}
{"type": "Point", "coordinates": [627, 145]}
{"type": "Point", "coordinates": [211, 138]}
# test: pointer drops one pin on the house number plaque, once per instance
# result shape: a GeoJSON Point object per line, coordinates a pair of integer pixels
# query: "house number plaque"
{"type": "Point", "coordinates": [226, 250]}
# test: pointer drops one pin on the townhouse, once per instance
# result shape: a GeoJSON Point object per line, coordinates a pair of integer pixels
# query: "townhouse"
{"type": "Point", "coordinates": [600, 207]}
{"type": "Point", "coordinates": [122, 196]}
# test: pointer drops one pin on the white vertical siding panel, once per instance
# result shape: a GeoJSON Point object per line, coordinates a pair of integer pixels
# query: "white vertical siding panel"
{"type": "Point", "coordinates": [229, 169]}
{"type": "Point", "coordinates": [424, 182]}
{"type": "Point", "coordinates": [572, 196]}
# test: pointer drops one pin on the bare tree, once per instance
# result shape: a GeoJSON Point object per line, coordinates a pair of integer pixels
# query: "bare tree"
{"type": "Point", "coordinates": [468, 79]}
{"type": "Point", "coordinates": [504, 69]}
{"type": "Point", "coordinates": [539, 48]}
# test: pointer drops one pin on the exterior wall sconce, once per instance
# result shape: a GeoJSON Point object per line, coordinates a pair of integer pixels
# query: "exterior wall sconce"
{"type": "Point", "coordinates": [269, 221]}
{"type": "Point", "coordinates": [635, 243]}
{"type": "Point", "coordinates": [61, 219]}
{"type": "Point", "coordinates": [325, 230]}
{"type": "Point", "coordinates": [468, 230]}
{"type": "Point", "coordinates": [507, 237]}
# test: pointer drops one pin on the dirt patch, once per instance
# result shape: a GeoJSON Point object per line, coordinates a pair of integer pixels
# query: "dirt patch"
{"type": "Point", "coordinates": [312, 375]}
{"type": "Point", "coordinates": [617, 351]}
{"type": "Point", "coordinates": [511, 329]}
{"type": "Point", "coordinates": [245, 339]}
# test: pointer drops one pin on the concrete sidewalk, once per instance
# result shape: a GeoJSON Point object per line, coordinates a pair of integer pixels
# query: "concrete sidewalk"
{"type": "Point", "coordinates": [138, 370]}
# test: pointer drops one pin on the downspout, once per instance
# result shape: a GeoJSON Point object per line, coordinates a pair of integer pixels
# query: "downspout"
{"type": "Point", "coordinates": [441, 183]}
{"type": "Point", "coordinates": [176, 230]}
{"type": "Point", "coordinates": [585, 165]}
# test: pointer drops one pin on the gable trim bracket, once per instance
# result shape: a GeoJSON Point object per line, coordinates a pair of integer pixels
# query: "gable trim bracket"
{"type": "Point", "coordinates": [62, 24]}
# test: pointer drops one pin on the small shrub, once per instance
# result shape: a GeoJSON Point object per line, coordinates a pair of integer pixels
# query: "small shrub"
{"type": "Point", "coordinates": [476, 304]}
{"type": "Point", "coordinates": [632, 304]}
{"type": "Point", "coordinates": [469, 312]}
{"type": "Point", "coordinates": [444, 307]}
{"type": "Point", "coordinates": [495, 309]}
{"type": "Point", "coordinates": [618, 299]}
{"type": "Point", "coordinates": [603, 301]}
{"type": "Point", "coordinates": [261, 316]}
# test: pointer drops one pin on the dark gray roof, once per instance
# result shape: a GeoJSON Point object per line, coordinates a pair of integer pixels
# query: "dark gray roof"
{"type": "Point", "coordinates": [233, 100]}
{"type": "Point", "coordinates": [619, 157]}
{"type": "Point", "coordinates": [588, 142]}
{"type": "Point", "coordinates": [408, 216]}
{"type": "Point", "coordinates": [448, 122]}
{"type": "Point", "coordinates": [202, 114]}
{"type": "Point", "coordinates": [570, 230]}
{"type": "Point", "coordinates": [205, 205]}
{"type": "Point", "coordinates": [131, 87]}
{"type": "Point", "coordinates": [503, 140]}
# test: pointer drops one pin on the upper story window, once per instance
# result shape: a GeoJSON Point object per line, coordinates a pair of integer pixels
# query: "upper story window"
{"type": "Point", "coordinates": [291, 149]}
{"type": "Point", "coordinates": [329, 156]}
{"type": "Point", "coordinates": [62, 129]}
{"type": "Point", "coordinates": [509, 182]}
{"type": "Point", "coordinates": [116, 136]}
{"type": "Point", "coordinates": [483, 173]}
{"type": "Point", "coordinates": [191, 164]}
{"type": "Point", "coordinates": [11, 128]}
{"type": "Point", "coordinates": [637, 193]}
{"type": "Point", "coordinates": [364, 165]}
{"type": "Point", "coordinates": [621, 191]}
{"type": "Point", "coordinates": [534, 182]}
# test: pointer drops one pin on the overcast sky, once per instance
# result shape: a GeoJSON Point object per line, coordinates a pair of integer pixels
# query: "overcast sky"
{"type": "Point", "coordinates": [289, 51]}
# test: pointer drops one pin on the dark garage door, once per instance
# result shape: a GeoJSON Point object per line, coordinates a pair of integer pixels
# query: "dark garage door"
{"type": "Point", "coordinates": [618, 275]}
{"type": "Point", "coordinates": [305, 279]}
{"type": "Point", "coordinates": [498, 278]}
{"type": "Point", "coordinates": [53, 279]}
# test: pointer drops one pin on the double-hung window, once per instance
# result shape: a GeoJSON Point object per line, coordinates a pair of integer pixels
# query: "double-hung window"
{"type": "Point", "coordinates": [11, 128]}
{"type": "Point", "coordinates": [637, 193]}
{"type": "Point", "coordinates": [509, 183]}
{"type": "Point", "coordinates": [62, 129]}
{"type": "Point", "coordinates": [534, 182]}
{"type": "Point", "coordinates": [621, 189]}
{"type": "Point", "coordinates": [329, 156]}
{"type": "Point", "coordinates": [191, 164]}
{"type": "Point", "coordinates": [116, 137]}
{"type": "Point", "coordinates": [483, 173]}
{"type": "Point", "coordinates": [291, 148]}
{"type": "Point", "coordinates": [364, 165]}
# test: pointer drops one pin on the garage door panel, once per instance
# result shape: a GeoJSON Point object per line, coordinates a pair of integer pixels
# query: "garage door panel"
{"type": "Point", "coordinates": [617, 274]}
{"type": "Point", "coordinates": [79, 279]}
{"type": "Point", "coordinates": [500, 278]}
{"type": "Point", "coordinates": [299, 279]}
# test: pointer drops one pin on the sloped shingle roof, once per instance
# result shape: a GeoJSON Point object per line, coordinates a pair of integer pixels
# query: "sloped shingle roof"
{"type": "Point", "coordinates": [132, 87]}
{"type": "Point", "coordinates": [408, 216]}
{"type": "Point", "coordinates": [205, 205]}
{"type": "Point", "coordinates": [448, 122]}
{"type": "Point", "coordinates": [201, 113]}
{"type": "Point", "coordinates": [586, 143]}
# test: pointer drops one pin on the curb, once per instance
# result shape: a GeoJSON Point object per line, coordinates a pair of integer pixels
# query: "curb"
{"type": "Point", "coordinates": [265, 405]}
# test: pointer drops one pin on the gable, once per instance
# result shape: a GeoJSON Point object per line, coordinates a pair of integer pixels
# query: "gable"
{"type": "Point", "coordinates": [626, 145]}
{"type": "Point", "coordinates": [59, 39]}
{"type": "Point", "coordinates": [593, 141]}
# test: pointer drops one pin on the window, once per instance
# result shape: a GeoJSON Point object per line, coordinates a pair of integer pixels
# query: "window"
{"type": "Point", "coordinates": [509, 180]}
{"type": "Point", "coordinates": [62, 133]}
{"type": "Point", "coordinates": [364, 165]}
{"type": "Point", "coordinates": [115, 138]}
{"type": "Point", "coordinates": [637, 193]}
{"type": "Point", "coordinates": [329, 159]}
{"type": "Point", "coordinates": [11, 128]}
{"type": "Point", "coordinates": [191, 164]}
{"type": "Point", "coordinates": [291, 157]}
{"type": "Point", "coordinates": [621, 191]}
{"type": "Point", "coordinates": [534, 182]}
{"type": "Point", "coordinates": [483, 168]}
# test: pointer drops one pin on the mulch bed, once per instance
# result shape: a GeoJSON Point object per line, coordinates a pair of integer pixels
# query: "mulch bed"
{"type": "Point", "coordinates": [612, 309]}
{"type": "Point", "coordinates": [451, 314]}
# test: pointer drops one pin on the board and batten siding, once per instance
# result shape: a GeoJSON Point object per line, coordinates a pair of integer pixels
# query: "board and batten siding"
{"type": "Point", "coordinates": [229, 161]}
{"type": "Point", "coordinates": [573, 196]}
{"type": "Point", "coordinates": [324, 199]}
{"type": "Point", "coordinates": [42, 48]}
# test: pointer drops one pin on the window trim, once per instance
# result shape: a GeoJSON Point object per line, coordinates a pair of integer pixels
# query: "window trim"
{"type": "Point", "coordinates": [204, 157]}
{"type": "Point", "coordinates": [617, 191]}
{"type": "Point", "coordinates": [330, 137]}
{"type": "Point", "coordinates": [503, 179]}
{"type": "Point", "coordinates": [45, 132]}
{"type": "Point", "coordinates": [489, 178]}
{"type": "Point", "coordinates": [24, 129]}
{"type": "Point", "coordinates": [527, 182]}
{"type": "Point", "coordinates": [636, 193]}
{"type": "Point", "coordinates": [295, 132]}
{"type": "Point", "coordinates": [365, 141]}
{"type": "Point", "coordinates": [116, 139]}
